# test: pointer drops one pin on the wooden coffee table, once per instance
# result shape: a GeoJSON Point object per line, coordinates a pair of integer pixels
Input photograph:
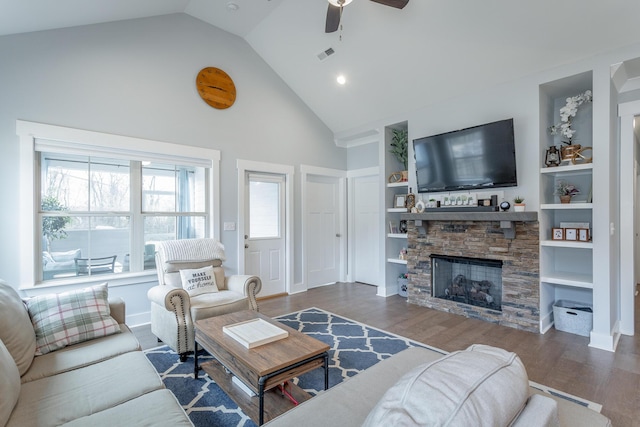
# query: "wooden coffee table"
{"type": "Point", "coordinates": [261, 368]}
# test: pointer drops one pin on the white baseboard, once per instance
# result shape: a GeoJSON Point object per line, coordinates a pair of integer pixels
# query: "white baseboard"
{"type": "Point", "coordinates": [546, 322]}
{"type": "Point", "coordinates": [387, 291]}
{"type": "Point", "coordinates": [138, 319]}
{"type": "Point", "coordinates": [607, 342]}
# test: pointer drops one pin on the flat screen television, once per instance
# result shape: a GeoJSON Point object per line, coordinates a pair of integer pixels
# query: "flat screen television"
{"type": "Point", "coordinates": [475, 158]}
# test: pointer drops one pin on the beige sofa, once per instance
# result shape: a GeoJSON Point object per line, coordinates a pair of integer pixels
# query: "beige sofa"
{"type": "Point", "coordinates": [417, 387]}
{"type": "Point", "coordinates": [105, 381]}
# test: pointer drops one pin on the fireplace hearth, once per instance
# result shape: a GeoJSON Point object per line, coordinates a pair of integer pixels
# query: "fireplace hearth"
{"type": "Point", "coordinates": [472, 281]}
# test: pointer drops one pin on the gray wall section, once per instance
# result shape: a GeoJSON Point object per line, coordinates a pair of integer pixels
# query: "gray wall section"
{"type": "Point", "coordinates": [137, 78]}
{"type": "Point", "coordinates": [363, 156]}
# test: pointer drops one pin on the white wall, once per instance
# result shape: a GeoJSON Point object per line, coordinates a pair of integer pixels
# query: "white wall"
{"type": "Point", "coordinates": [137, 78]}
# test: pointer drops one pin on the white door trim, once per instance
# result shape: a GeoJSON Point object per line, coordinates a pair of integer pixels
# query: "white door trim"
{"type": "Point", "coordinates": [305, 171]}
{"type": "Point", "coordinates": [627, 112]}
{"type": "Point", "coordinates": [286, 170]}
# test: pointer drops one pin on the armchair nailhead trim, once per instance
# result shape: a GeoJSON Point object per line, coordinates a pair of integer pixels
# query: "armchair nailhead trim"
{"type": "Point", "coordinates": [181, 324]}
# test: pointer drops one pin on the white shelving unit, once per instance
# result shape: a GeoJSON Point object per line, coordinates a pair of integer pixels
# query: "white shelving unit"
{"type": "Point", "coordinates": [394, 242]}
{"type": "Point", "coordinates": [566, 267]}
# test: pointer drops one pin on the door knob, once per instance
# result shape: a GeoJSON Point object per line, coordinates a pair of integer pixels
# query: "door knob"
{"type": "Point", "coordinates": [246, 246]}
{"type": "Point", "coordinates": [338, 235]}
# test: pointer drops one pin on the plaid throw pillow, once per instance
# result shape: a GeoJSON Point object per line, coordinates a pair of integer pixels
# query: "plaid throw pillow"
{"type": "Point", "coordinates": [71, 317]}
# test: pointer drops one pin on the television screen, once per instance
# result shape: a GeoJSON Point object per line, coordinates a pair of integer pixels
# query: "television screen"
{"type": "Point", "coordinates": [468, 159]}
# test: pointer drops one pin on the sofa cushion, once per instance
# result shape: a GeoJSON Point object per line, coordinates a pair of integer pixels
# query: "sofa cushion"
{"type": "Point", "coordinates": [82, 354]}
{"type": "Point", "coordinates": [198, 281]}
{"type": "Point", "coordinates": [141, 411]}
{"type": "Point", "coordinates": [482, 385]}
{"type": "Point", "coordinates": [214, 304]}
{"type": "Point", "coordinates": [71, 317]}
{"type": "Point", "coordinates": [16, 331]}
{"type": "Point", "coordinates": [61, 398]}
{"type": "Point", "coordinates": [9, 384]}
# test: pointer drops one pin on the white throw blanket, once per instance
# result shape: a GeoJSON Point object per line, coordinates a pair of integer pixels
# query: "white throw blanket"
{"type": "Point", "coordinates": [191, 250]}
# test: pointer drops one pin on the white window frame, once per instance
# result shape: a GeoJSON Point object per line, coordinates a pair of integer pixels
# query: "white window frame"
{"type": "Point", "coordinates": [33, 135]}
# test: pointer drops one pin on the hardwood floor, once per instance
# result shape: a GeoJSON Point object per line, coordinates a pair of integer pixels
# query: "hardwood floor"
{"type": "Point", "coordinates": [556, 359]}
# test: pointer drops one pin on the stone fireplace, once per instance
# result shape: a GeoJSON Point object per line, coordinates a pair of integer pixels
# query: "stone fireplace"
{"type": "Point", "coordinates": [508, 241]}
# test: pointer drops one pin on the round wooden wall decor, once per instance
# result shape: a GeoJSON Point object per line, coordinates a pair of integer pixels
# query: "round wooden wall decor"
{"type": "Point", "coordinates": [216, 88]}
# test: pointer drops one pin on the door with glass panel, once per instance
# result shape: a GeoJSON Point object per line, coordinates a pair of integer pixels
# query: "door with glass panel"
{"type": "Point", "coordinates": [265, 230]}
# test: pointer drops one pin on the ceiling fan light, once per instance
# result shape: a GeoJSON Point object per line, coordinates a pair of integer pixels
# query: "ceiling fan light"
{"type": "Point", "coordinates": [339, 3]}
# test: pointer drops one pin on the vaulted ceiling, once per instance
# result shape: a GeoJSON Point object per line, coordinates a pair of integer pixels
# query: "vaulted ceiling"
{"type": "Point", "coordinates": [394, 60]}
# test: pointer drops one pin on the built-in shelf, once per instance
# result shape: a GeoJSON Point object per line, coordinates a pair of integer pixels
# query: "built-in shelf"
{"type": "Point", "coordinates": [397, 261]}
{"type": "Point", "coordinates": [567, 244]}
{"type": "Point", "coordinates": [399, 210]}
{"type": "Point", "coordinates": [566, 206]}
{"type": "Point", "coordinates": [398, 184]}
{"type": "Point", "coordinates": [568, 279]}
{"type": "Point", "coordinates": [569, 169]}
{"type": "Point", "coordinates": [566, 266]}
{"type": "Point", "coordinates": [397, 235]}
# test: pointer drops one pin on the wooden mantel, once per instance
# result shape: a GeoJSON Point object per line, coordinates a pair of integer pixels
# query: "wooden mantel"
{"type": "Point", "coordinates": [506, 219]}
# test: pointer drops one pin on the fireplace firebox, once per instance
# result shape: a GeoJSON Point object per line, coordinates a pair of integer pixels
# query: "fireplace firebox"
{"type": "Point", "coordinates": [473, 281]}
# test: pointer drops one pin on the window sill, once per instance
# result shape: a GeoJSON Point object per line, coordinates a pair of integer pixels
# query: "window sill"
{"type": "Point", "coordinates": [114, 280]}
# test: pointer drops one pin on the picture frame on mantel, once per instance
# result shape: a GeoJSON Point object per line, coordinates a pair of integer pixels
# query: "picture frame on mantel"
{"type": "Point", "coordinates": [399, 201]}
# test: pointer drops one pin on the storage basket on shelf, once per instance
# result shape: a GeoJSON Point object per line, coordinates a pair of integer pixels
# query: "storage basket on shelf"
{"type": "Point", "coordinates": [573, 317]}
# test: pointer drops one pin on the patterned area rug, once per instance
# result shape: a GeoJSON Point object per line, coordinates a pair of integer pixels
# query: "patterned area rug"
{"type": "Point", "coordinates": [354, 347]}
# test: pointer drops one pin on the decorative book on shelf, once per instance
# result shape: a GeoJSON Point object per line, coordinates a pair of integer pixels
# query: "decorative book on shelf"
{"type": "Point", "coordinates": [255, 332]}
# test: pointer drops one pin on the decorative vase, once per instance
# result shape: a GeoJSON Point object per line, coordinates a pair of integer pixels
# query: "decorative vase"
{"type": "Point", "coordinates": [519, 207]}
{"type": "Point", "coordinates": [565, 199]}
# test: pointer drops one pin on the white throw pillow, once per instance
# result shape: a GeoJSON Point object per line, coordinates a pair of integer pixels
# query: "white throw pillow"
{"type": "Point", "coordinates": [199, 281]}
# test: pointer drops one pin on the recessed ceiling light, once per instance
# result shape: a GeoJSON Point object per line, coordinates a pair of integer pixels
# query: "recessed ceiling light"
{"type": "Point", "coordinates": [341, 79]}
{"type": "Point", "coordinates": [231, 6]}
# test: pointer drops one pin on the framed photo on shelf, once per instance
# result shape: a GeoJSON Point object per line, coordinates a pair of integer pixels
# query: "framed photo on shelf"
{"type": "Point", "coordinates": [571, 234]}
{"type": "Point", "coordinates": [393, 227]}
{"type": "Point", "coordinates": [584, 235]}
{"type": "Point", "coordinates": [557, 233]}
{"type": "Point", "coordinates": [399, 201]}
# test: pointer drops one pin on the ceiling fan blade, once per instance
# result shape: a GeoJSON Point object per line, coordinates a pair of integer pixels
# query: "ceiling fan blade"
{"type": "Point", "coordinates": [333, 19]}
{"type": "Point", "coordinates": [398, 4]}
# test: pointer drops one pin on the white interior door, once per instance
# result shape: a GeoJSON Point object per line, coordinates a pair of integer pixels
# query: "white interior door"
{"type": "Point", "coordinates": [264, 227]}
{"type": "Point", "coordinates": [322, 230]}
{"type": "Point", "coordinates": [366, 233]}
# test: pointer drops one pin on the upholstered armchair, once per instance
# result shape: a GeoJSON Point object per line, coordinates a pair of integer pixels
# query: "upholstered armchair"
{"type": "Point", "coordinates": [173, 311]}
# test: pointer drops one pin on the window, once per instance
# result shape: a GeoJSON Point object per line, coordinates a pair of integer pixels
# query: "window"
{"type": "Point", "coordinates": [102, 208]}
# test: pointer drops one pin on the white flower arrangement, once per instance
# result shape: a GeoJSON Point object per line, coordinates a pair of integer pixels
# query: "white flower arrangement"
{"type": "Point", "coordinates": [567, 113]}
